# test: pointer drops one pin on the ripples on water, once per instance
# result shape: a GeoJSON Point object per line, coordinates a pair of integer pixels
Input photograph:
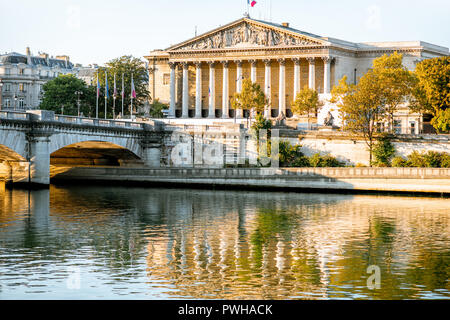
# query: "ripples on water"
{"type": "Point", "coordinates": [172, 244]}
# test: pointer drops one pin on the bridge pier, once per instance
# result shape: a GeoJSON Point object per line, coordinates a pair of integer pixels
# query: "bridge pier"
{"type": "Point", "coordinates": [39, 156]}
{"type": "Point", "coordinates": [151, 154]}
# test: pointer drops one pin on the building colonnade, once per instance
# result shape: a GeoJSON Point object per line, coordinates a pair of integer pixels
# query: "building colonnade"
{"type": "Point", "coordinates": [268, 69]}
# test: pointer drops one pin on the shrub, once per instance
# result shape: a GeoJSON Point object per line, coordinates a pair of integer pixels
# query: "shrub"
{"type": "Point", "coordinates": [430, 159]}
{"type": "Point", "coordinates": [416, 159]}
{"type": "Point", "coordinates": [445, 161]}
{"type": "Point", "coordinates": [383, 152]}
{"type": "Point", "coordinates": [399, 162]}
{"type": "Point", "coordinates": [315, 160]}
{"type": "Point", "coordinates": [327, 161]}
{"type": "Point", "coordinates": [289, 153]}
{"type": "Point", "coordinates": [360, 165]}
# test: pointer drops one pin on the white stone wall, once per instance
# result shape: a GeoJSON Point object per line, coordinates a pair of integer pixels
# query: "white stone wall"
{"type": "Point", "coordinates": [356, 151]}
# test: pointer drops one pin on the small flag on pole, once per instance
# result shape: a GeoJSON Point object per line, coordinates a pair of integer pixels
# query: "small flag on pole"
{"type": "Point", "coordinates": [98, 87]}
{"type": "Point", "coordinates": [251, 3]}
{"type": "Point", "coordinates": [133, 90]}
{"type": "Point", "coordinates": [106, 86]}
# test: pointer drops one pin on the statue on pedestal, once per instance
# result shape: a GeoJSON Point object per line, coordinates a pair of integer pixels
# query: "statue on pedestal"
{"type": "Point", "coordinates": [329, 120]}
{"type": "Point", "coordinates": [281, 119]}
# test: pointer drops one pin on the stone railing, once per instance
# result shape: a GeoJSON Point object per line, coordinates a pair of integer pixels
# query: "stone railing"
{"type": "Point", "coordinates": [41, 115]}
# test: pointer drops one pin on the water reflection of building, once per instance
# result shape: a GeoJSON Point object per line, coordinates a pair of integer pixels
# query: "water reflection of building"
{"type": "Point", "coordinates": [312, 251]}
{"type": "Point", "coordinates": [236, 245]}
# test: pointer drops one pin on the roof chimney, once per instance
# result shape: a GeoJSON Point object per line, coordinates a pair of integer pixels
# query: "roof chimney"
{"type": "Point", "coordinates": [28, 51]}
{"type": "Point", "coordinates": [285, 24]}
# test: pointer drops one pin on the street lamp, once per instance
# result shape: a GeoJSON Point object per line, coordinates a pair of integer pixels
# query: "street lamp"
{"type": "Point", "coordinates": [15, 101]}
{"type": "Point", "coordinates": [78, 93]}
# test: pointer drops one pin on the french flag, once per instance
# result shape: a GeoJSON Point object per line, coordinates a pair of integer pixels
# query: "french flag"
{"type": "Point", "coordinates": [133, 90]}
{"type": "Point", "coordinates": [251, 3]}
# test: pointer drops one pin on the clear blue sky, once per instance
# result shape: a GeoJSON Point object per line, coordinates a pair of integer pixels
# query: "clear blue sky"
{"type": "Point", "coordinates": [94, 31]}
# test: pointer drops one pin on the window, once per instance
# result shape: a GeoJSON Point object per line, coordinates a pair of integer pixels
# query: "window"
{"type": "Point", "coordinates": [21, 71]}
{"type": "Point", "coordinates": [7, 71]}
{"type": "Point", "coordinates": [412, 127]}
{"type": "Point", "coordinates": [166, 79]}
{"type": "Point", "coordinates": [7, 87]}
{"type": "Point", "coordinates": [21, 103]}
{"type": "Point", "coordinates": [21, 87]}
{"type": "Point", "coordinates": [398, 126]}
{"type": "Point", "coordinates": [7, 103]}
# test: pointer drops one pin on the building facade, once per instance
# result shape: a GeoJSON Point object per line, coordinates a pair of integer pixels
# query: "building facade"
{"type": "Point", "coordinates": [22, 78]}
{"type": "Point", "coordinates": [198, 77]}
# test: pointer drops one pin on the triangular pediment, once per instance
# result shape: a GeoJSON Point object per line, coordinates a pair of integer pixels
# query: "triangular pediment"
{"type": "Point", "coordinates": [249, 33]}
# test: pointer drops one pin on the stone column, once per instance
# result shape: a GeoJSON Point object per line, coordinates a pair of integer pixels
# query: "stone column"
{"type": "Point", "coordinates": [253, 70]}
{"type": "Point", "coordinates": [212, 90]}
{"type": "Point", "coordinates": [225, 93]}
{"type": "Point", "coordinates": [267, 88]}
{"type": "Point", "coordinates": [297, 86]}
{"type": "Point", "coordinates": [185, 105]}
{"type": "Point", "coordinates": [172, 66]}
{"type": "Point", "coordinates": [282, 87]}
{"type": "Point", "coordinates": [312, 73]}
{"type": "Point", "coordinates": [198, 90]}
{"type": "Point", "coordinates": [239, 112]}
{"type": "Point", "coordinates": [326, 74]}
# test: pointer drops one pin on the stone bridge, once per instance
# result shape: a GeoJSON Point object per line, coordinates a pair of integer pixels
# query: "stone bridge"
{"type": "Point", "coordinates": [27, 140]}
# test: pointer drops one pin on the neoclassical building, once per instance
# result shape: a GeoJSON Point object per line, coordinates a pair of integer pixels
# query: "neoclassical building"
{"type": "Point", "coordinates": [199, 76]}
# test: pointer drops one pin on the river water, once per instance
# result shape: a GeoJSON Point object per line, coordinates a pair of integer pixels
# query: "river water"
{"type": "Point", "coordinates": [138, 243]}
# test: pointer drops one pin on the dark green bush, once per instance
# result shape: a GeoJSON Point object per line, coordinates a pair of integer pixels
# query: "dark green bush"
{"type": "Point", "coordinates": [430, 159]}
{"type": "Point", "coordinates": [383, 152]}
{"type": "Point", "coordinates": [399, 162]}
{"type": "Point", "coordinates": [326, 161]}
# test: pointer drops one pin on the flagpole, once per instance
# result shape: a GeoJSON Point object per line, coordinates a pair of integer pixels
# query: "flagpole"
{"type": "Point", "coordinates": [123, 97]}
{"type": "Point", "coordinates": [106, 93]}
{"type": "Point", "coordinates": [114, 98]}
{"type": "Point", "coordinates": [98, 93]}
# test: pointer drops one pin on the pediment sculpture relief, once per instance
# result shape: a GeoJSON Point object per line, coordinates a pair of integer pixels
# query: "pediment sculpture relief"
{"type": "Point", "coordinates": [246, 35]}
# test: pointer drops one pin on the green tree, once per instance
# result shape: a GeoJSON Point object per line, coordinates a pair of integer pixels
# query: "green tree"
{"type": "Point", "coordinates": [361, 107]}
{"type": "Point", "coordinates": [59, 96]}
{"type": "Point", "coordinates": [251, 98]}
{"type": "Point", "coordinates": [126, 66]}
{"type": "Point", "coordinates": [383, 151]}
{"type": "Point", "coordinates": [395, 82]}
{"type": "Point", "coordinates": [306, 102]}
{"type": "Point", "coordinates": [156, 109]}
{"type": "Point", "coordinates": [434, 81]}
{"type": "Point", "coordinates": [262, 123]}
{"type": "Point", "coordinates": [418, 102]}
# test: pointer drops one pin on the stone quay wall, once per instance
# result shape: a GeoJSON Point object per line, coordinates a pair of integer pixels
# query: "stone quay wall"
{"type": "Point", "coordinates": [409, 180]}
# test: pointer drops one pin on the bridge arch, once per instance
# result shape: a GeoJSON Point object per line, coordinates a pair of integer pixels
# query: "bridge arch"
{"type": "Point", "coordinates": [61, 140]}
{"type": "Point", "coordinates": [15, 142]}
{"type": "Point", "coordinates": [93, 152]}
